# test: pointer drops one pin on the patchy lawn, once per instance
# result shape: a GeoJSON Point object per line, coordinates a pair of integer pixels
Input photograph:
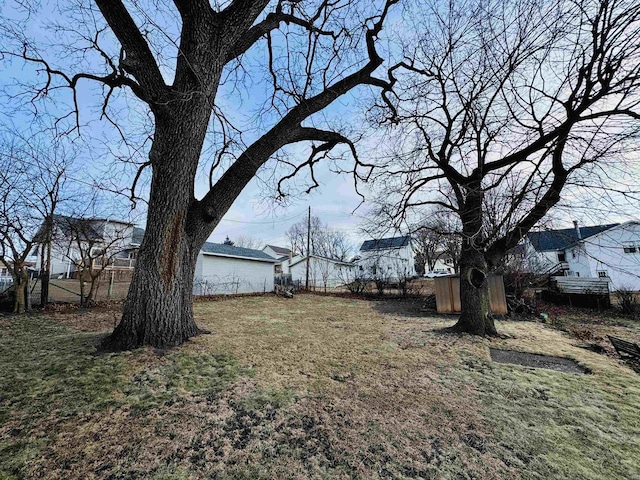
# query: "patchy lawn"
{"type": "Point", "coordinates": [312, 387]}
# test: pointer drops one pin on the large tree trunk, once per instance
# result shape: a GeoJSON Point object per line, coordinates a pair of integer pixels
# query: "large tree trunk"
{"type": "Point", "coordinates": [158, 309]}
{"type": "Point", "coordinates": [474, 291]}
{"type": "Point", "coordinates": [474, 296]}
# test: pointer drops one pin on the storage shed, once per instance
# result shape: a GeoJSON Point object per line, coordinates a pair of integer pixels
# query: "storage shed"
{"type": "Point", "coordinates": [227, 270]}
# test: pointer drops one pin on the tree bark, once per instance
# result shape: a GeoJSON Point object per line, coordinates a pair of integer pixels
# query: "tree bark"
{"type": "Point", "coordinates": [83, 300]}
{"type": "Point", "coordinates": [21, 288]}
{"type": "Point", "coordinates": [474, 286]}
{"type": "Point", "coordinates": [158, 309]}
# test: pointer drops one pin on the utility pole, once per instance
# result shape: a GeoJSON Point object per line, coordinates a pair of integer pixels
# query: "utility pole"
{"type": "Point", "coordinates": [306, 285]}
{"type": "Point", "coordinates": [45, 258]}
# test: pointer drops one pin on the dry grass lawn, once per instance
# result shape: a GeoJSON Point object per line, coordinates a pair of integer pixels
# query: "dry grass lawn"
{"type": "Point", "coordinates": [312, 387]}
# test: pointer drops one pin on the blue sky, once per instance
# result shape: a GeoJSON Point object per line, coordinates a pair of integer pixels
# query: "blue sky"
{"type": "Point", "coordinates": [98, 143]}
{"type": "Point", "coordinates": [251, 215]}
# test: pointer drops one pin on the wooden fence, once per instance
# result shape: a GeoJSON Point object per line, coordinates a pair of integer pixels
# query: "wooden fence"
{"type": "Point", "coordinates": [448, 294]}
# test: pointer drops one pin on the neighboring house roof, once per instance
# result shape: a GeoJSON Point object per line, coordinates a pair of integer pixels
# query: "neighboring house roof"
{"type": "Point", "coordinates": [549, 240]}
{"type": "Point", "coordinates": [138, 235]}
{"type": "Point", "coordinates": [71, 226]}
{"type": "Point", "coordinates": [302, 259]}
{"type": "Point", "coordinates": [385, 243]}
{"type": "Point", "coordinates": [89, 228]}
{"type": "Point", "coordinates": [281, 251]}
{"type": "Point", "coordinates": [222, 250]}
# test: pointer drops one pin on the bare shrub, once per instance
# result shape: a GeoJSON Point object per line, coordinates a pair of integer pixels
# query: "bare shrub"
{"type": "Point", "coordinates": [627, 300]}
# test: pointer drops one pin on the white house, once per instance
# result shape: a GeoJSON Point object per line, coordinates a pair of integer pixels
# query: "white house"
{"type": "Point", "coordinates": [444, 264]}
{"type": "Point", "coordinates": [5, 277]}
{"type": "Point", "coordinates": [227, 269]}
{"type": "Point", "coordinates": [116, 238]}
{"type": "Point", "coordinates": [324, 272]}
{"type": "Point", "coordinates": [613, 253]}
{"type": "Point", "coordinates": [387, 258]}
{"type": "Point", "coordinates": [545, 250]}
{"type": "Point", "coordinates": [282, 255]}
{"type": "Point", "coordinates": [607, 251]}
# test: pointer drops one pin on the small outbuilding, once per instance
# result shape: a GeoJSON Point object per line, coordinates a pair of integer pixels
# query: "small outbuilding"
{"type": "Point", "coordinates": [223, 269]}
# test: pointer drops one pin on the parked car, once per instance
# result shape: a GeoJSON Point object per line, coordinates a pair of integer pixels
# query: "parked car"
{"type": "Point", "coordinates": [438, 272]}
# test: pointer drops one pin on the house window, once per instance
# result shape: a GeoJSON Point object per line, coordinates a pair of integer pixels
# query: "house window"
{"type": "Point", "coordinates": [3, 272]}
{"type": "Point", "coordinates": [577, 274]}
{"type": "Point", "coordinates": [573, 253]}
{"type": "Point", "coordinates": [602, 274]}
{"type": "Point", "coordinates": [630, 248]}
{"type": "Point", "coordinates": [562, 257]}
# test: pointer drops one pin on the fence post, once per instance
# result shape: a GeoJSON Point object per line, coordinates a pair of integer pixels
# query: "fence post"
{"type": "Point", "coordinates": [110, 291]}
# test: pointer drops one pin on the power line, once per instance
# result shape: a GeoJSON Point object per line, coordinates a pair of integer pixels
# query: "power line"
{"type": "Point", "coordinates": [271, 222]}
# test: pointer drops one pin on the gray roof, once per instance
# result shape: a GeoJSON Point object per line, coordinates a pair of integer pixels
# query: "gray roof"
{"type": "Point", "coordinates": [385, 243]}
{"type": "Point", "coordinates": [233, 251]}
{"type": "Point", "coordinates": [550, 240]}
{"type": "Point", "coordinates": [282, 251]}
{"type": "Point", "coordinates": [138, 235]}
{"type": "Point", "coordinates": [75, 226]}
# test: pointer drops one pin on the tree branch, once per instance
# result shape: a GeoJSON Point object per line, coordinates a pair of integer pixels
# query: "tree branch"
{"type": "Point", "coordinates": [139, 60]}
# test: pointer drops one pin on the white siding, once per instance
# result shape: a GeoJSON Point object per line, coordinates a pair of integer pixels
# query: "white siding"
{"type": "Point", "coordinates": [540, 262]}
{"type": "Point", "coordinates": [224, 275]}
{"type": "Point", "coordinates": [442, 265]}
{"type": "Point", "coordinates": [391, 263]}
{"type": "Point", "coordinates": [605, 252]}
{"type": "Point", "coordinates": [578, 261]}
{"type": "Point", "coordinates": [269, 251]}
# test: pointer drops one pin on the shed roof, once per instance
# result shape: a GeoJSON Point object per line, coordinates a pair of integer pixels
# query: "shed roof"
{"type": "Point", "coordinates": [385, 243]}
{"type": "Point", "coordinates": [549, 240]}
{"type": "Point", "coordinates": [223, 250]}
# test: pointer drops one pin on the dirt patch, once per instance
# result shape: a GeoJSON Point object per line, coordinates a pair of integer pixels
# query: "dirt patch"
{"type": "Point", "coordinates": [410, 307]}
{"type": "Point", "coordinates": [565, 365]}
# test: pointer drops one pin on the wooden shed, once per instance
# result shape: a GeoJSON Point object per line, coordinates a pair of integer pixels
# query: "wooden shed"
{"type": "Point", "coordinates": [448, 294]}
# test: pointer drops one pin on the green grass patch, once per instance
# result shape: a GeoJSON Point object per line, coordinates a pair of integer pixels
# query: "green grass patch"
{"type": "Point", "coordinates": [313, 387]}
{"type": "Point", "coordinates": [556, 425]}
{"type": "Point", "coordinates": [49, 372]}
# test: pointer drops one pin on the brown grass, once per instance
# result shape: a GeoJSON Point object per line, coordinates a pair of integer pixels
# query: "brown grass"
{"type": "Point", "coordinates": [322, 387]}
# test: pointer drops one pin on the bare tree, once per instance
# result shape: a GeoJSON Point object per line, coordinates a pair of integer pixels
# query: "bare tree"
{"type": "Point", "coordinates": [247, 241]}
{"type": "Point", "coordinates": [429, 245]}
{"type": "Point", "coordinates": [31, 181]}
{"type": "Point", "coordinates": [184, 63]}
{"type": "Point", "coordinates": [508, 102]}
{"type": "Point", "coordinates": [91, 245]}
{"type": "Point", "coordinates": [322, 240]}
